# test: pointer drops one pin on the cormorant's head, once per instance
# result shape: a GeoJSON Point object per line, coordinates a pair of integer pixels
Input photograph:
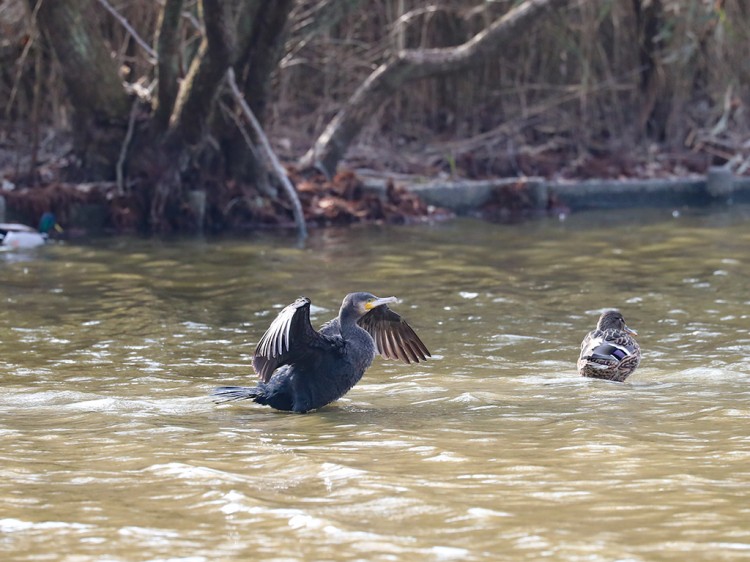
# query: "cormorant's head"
{"type": "Point", "coordinates": [361, 303]}
{"type": "Point", "coordinates": [613, 320]}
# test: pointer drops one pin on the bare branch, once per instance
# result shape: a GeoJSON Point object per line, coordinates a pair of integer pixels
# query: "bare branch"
{"type": "Point", "coordinates": [408, 65]}
{"type": "Point", "coordinates": [22, 59]}
{"type": "Point", "coordinates": [270, 156]}
{"type": "Point", "coordinates": [129, 28]}
{"type": "Point", "coordinates": [120, 168]}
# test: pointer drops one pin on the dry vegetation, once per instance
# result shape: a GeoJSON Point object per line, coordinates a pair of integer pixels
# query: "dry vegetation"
{"type": "Point", "coordinates": [609, 88]}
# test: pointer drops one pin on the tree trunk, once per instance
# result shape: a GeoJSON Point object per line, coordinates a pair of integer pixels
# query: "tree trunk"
{"type": "Point", "coordinates": [408, 65]}
{"type": "Point", "coordinates": [168, 62]}
{"type": "Point", "coordinates": [654, 112]}
{"type": "Point", "coordinates": [100, 103]}
{"type": "Point", "coordinates": [260, 40]}
{"type": "Point", "coordinates": [259, 56]}
{"type": "Point", "coordinates": [187, 128]}
{"type": "Point", "coordinates": [215, 55]}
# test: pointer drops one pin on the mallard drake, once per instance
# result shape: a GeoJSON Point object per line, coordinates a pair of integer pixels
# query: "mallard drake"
{"type": "Point", "coordinates": [13, 235]}
{"type": "Point", "coordinates": [610, 351]}
{"type": "Point", "coordinates": [301, 369]}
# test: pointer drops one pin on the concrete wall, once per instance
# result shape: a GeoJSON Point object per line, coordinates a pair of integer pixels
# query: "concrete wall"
{"type": "Point", "coordinates": [719, 186]}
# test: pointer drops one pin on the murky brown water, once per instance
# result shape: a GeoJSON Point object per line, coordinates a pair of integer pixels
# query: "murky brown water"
{"type": "Point", "coordinates": [495, 450]}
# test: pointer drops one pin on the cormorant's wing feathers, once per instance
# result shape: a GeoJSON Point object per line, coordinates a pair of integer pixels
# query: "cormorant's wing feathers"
{"type": "Point", "coordinates": [288, 338]}
{"type": "Point", "coordinates": [393, 337]}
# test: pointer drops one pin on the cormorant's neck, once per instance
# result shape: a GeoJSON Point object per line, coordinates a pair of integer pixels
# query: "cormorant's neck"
{"type": "Point", "coordinates": [348, 319]}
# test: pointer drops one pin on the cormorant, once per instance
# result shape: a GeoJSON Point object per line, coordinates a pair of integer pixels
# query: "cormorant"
{"type": "Point", "coordinates": [301, 369]}
{"type": "Point", "coordinates": [610, 351]}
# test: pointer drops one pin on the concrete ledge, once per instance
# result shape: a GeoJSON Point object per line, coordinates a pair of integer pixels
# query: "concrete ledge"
{"type": "Point", "coordinates": [719, 186]}
{"type": "Point", "coordinates": [618, 194]}
{"type": "Point", "coordinates": [460, 197]}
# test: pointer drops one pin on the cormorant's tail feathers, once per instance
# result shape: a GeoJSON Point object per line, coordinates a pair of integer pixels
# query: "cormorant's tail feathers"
{"type": "Point", "coordinates": [223, 394]}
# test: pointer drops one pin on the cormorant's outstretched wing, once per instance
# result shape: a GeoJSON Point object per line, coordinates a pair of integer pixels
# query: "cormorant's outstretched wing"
{"type": "Point", "coordinates": [289, 339]}
{"type": "Point", "coordinates": [394, 338]}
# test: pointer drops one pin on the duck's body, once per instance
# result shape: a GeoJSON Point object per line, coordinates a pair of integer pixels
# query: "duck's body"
{"type": "Point", "coordinates": [19, 236]}
{"type": "Point", "coordinates": [301, 369]}
{"type": "Point", "coordinates": [610, 351]}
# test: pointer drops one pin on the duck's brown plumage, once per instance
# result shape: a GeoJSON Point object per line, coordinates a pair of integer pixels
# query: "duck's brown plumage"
{"type": "Point", "coordinates": [610, 351]}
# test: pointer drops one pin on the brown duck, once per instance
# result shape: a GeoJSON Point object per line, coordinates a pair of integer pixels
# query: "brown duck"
{"type": "Point", "coordinates": [610, 351]}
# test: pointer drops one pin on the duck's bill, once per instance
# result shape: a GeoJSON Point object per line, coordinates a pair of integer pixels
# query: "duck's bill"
{"type": "Point", "coordinates": [631, 331]}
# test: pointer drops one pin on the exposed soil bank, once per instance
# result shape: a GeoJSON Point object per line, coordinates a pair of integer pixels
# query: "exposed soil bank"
{"type": "Point", "coordinates": [222, 206]}
{"type": "Point", "coordinates": [354, 198]}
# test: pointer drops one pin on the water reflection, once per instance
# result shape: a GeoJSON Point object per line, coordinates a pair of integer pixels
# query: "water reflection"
{"type": "Point", "coordinates": [495, 450]}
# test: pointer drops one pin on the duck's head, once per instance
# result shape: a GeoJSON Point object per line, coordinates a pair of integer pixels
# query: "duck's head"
{"type": "Point", "coordinates": [47, 223]}
{"type": "Point", "coordinates": [613, 320]}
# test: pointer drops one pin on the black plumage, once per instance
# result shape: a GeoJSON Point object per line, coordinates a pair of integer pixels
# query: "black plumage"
{"type": "Point", "coordinates": [301, 369]}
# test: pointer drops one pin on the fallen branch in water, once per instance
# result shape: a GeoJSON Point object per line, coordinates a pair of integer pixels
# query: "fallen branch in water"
{"type": "Point", "coordinates": [269, 155]}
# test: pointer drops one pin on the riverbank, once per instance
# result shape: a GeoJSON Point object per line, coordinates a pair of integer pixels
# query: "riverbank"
{"type": "Point", "coordinates": [366, 196]}
{"type": "Point", "coordinates": [505, 197]}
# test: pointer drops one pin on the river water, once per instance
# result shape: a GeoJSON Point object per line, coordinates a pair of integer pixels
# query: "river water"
{"type": "Point", "coordinates": [495, 449]}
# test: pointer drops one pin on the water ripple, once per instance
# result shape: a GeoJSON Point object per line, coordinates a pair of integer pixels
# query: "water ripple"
{"type": "Point", "coordinates": [495, 449]}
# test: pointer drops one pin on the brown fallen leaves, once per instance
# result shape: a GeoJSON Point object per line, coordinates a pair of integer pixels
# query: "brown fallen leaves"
{"type": "Point", "coordinates": [345, 200]}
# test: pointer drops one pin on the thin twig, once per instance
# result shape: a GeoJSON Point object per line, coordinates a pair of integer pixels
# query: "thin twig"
{"type": "Point", "coordinates": [742, 168]}
{"type": "Point", "coordinates": [22, 59]}
{"type": "Point", "coordinates": [263, 184]}
{"type": "Point", "coordinates": [35, 110]}
{"type": "Point", "coordinates": [146, 47]}
{"type": "Point", "coordinates": [299, 217]}
{"type": "Point", "coordinates": [241, 128]}
{"type": "Point", "coordinates": [119, 170]}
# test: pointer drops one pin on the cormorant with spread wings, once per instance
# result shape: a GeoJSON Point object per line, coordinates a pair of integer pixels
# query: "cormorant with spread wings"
{"type": "Point", "coordinates": [301, 369]}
